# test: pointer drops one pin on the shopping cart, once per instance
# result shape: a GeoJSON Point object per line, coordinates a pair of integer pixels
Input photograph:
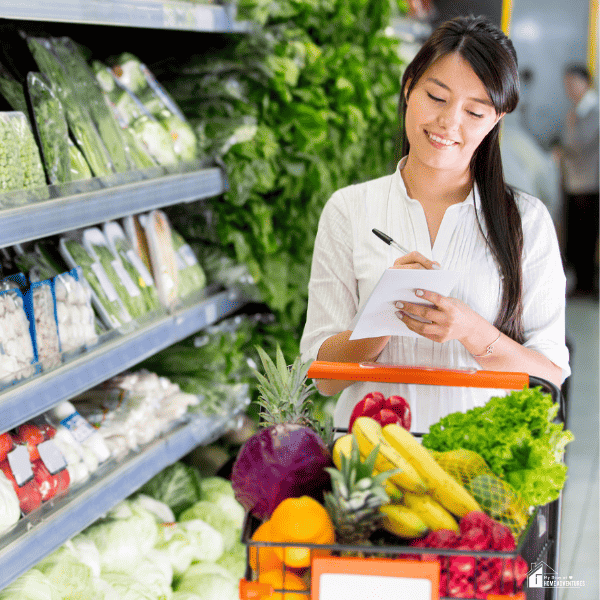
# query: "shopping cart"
{"type": "Point", "coordinates": [403, 564]}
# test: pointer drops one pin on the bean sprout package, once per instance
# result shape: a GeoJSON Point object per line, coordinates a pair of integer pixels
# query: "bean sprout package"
{"type": "Point", "coordinates": [122, 250]}
{"type": "Point", "coordinates": [104, 297]}
{"type": "Point", "coordinates": [162, 256]}
{"type": "Point", "coordinates": [17, 354]}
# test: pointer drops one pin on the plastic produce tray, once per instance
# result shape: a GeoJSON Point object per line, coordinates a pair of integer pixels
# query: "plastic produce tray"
{"type": "Point", "coordinates": [539, 541]}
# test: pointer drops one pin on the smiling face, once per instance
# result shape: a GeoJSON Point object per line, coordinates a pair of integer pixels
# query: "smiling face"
{"type": "Point", "coordinates": [449, 113]}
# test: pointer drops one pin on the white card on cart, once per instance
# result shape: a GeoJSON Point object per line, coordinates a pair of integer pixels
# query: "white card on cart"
{"type": "Point", "coordinates": [378, 317]}
{"type": "Point", "coordinates": [352, 578]}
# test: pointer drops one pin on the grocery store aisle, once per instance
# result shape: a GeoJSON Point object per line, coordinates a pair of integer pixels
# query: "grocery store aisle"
{"type": "Point", "coordinates": [580, 536]}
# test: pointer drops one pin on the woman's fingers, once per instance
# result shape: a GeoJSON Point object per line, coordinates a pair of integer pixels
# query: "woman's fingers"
{"type": "Point", "coordinates": [415, 260]}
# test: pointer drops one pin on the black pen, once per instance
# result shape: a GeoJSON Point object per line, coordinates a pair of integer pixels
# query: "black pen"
{"type": "Point", "coordinates": [388, 240]}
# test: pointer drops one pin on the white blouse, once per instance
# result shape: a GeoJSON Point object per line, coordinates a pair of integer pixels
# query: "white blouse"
{"type": "Point", "coordinates": [348, 261]}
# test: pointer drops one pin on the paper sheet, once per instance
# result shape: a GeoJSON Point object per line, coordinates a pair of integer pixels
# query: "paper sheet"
{"type": "Point", "coordinates": [378, 315]}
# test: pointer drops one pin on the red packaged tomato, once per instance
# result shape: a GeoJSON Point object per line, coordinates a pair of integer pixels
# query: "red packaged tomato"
{"type": "Point", "coordinates": [6, 445]}
{"type": "Point", "coordinates": [28, 493]}
{"type": "Point", "coordinates": [30, 435]}
{"type": "Point", "coordinates": [394, 409]}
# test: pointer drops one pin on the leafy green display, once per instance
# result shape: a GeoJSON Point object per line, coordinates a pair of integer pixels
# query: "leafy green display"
{"type": "Point", "coordinates": [52, 128]}
{"type": "Point", "coordinates": [317, 91]}
{"type": "Point", "coordinates": [135, 305]}
{"type": "Point", "coordinates": [516, 437]}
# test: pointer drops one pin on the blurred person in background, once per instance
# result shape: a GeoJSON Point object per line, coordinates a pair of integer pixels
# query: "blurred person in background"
{"type": "Point", "coordinates": [527, 166]}
{"type": "Point", "coordinates": [578, 153]}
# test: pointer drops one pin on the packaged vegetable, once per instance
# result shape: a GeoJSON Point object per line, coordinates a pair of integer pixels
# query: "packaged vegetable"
{"type": "Point", "coordinates": [33, 171]}
{"type": "Point", "coordinates": [190, 275]}
{"type": "Point", "coordinates": [12, 174]}
{"type": "Point", "coordinates": [79, 119]}
{"type": "Point", "coordinates": [121, 248]}
{"type": "Point", "coordinates": [90, 95]}
{"type": "Point", "coordinates": [17, 355]}
{"type": "Point", "coordinates": [41, 310]}
{"type": "Point", "coordinates": [12, 91]}
{"type": "Point", "coordinates": [95, 242]}
{"type": "Point", "coordinates": [74, 312]}
{"type": "Point", "coordinates": [137, 237]}
{"type": "Point", "coordinates": [78, 166]}
{"type": "Point", "coordinates": [104, 297]}
{"type": "Point", "coordinates": [162, 257]}
{"type": "Point", "coordinates": [52, 128]}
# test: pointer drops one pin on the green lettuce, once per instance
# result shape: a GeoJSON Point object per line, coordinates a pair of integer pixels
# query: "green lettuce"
{"type": "Point", "coordinates": [516, 436]}
{"type": "Point", "coordinates": [33, 585]}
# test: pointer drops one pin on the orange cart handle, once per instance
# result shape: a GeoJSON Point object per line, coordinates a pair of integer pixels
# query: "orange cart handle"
{"type": "Point", "coordinates": [423, 375]}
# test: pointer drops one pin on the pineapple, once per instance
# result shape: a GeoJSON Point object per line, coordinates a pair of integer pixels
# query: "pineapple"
{"type": "Point", "coordinates": [354, 503]}
{"type": "Point", "coordinates": [288, 455]}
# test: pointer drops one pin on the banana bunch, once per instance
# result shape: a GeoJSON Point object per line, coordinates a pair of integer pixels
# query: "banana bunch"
{"type": "Point", "coordinates": [423, 496]}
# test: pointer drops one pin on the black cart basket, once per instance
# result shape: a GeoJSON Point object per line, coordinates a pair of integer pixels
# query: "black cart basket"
{"type": "Point", "coordinates": [538, 544]}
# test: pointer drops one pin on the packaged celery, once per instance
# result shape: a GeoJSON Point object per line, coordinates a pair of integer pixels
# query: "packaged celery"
{"type": "Point", "coordinates": [90, 94]}
{"type": "Point", "coordinates": [78, 166]}
{"type": "Point", "coordinates": [52, 128]}
{"type": "Point", "coordinates": [79, 119]}
{"type": "Point", "coordinates": [104, 297]}
{"type": "Point", "coordinates": [122, 248]}
{"type": "Point", "coordinates": [94, 241]}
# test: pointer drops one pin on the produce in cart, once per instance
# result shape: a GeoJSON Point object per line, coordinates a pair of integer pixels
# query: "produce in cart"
{"type": "Point", "coordinates": [287, 458]}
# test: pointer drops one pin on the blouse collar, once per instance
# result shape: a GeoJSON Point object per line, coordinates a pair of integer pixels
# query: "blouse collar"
{"type": "Point", "coordinates": [472, 199]}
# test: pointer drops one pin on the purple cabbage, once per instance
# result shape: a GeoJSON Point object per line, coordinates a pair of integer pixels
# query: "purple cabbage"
{"type": "Point", "coordinates": [279, 462]}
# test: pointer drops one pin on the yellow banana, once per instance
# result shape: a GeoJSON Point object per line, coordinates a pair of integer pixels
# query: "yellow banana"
{"type": "Point", "coordinates": [442, 486]}
{"type": "Point", "coordinates": [402, 521]}
{"type": "Point", "coordinates": [343, 446]}
{"type": "Point", "coordinates": [367, 432]}
{"type": "Point", "coordinates": [431, 512]}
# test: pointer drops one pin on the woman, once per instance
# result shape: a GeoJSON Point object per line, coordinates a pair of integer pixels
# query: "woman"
{"type": "Point", "coordinates": [448, 203]}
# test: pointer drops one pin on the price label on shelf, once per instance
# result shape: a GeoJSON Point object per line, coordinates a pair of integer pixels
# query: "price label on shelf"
{"type": "Point", "coordinates": [51, 456]}
{"type": "Point", "coordinates": [20, 465]}
{"type": "Point", "coordinates": [373, 579]}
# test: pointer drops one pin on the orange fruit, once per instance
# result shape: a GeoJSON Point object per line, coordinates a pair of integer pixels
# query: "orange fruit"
{"type": "Point", "coordinates": [263, 558]}
{"type": "Point", "coordinates": [301, 520]}
{"type": "Point", "coordinates": [290, 583]}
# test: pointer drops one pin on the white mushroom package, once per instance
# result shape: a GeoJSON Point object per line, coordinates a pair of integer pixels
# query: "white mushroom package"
{"type": "Point", "coordinates": [39, 304]}
{"type": "Point", "coordinates": [17, 356]}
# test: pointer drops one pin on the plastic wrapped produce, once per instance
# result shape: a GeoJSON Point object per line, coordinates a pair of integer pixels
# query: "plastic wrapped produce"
{"type": "Point", "coordinates": [78, 166]}
{"type": "Point", "coordinates": [95, 242]}
{"type": "Point", "coordinates": [67, 416]}
{"type": "Point", "coordinates": [90, 93]}
{"type": "Point", "coordinates": [12, 91]}
{"type": "Point", "coordinates": [39, 305]}
{"type": "Point", "coordinates": [74, 312]}
{"type": "Point", "coordinates": [104, 297]}
{"type": "Point", "coordinates": [79, 119]}
{"type": "Point", "coordinates": [17, 357]}
{"type": "Point", "coordinates": [12, 175]}
{"type": "Point", "coordinates": [162, 256]}
{"type": "Point", "coordinates": [52, 128]}
{"type": "Point", "coordinates": [190, 275]}
{"type": "Point", "coordinates": [122, 248]}
{"type": "Point", "coordinates": [33, 170]}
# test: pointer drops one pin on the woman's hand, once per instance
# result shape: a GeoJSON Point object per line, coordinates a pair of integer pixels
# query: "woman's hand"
{"type": "Point", "coordinates": [447, 319]}
{"type": "Point", "coordinates": [415, 260]}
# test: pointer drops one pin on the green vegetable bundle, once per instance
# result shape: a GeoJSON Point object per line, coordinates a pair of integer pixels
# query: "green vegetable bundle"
{"type": "Point", "coordinates": [190, 275]}
{"type": "Point", "coordinates": [52, 128]}
{"type": "Point", "coordinates": [517, 438]}
{"type": "Point", "coordinates": [12, 175]}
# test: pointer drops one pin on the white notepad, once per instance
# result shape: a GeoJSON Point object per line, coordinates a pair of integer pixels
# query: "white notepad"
{"type": "Point", "coordinates": [378, 315]}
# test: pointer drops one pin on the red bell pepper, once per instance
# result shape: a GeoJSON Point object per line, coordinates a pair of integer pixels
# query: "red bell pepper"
{"type": "Point", "coordinates": [394, 409]}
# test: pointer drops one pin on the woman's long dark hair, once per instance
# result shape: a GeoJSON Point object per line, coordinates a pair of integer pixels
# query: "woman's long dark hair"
{"type": "Point", "coordinates": [493, 59]}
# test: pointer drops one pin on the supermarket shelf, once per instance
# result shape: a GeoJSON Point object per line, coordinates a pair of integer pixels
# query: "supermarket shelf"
{"type": "Point", "coordinates": [117, 352]}
{"type": "Point", "coordinates": [96, 202]}
{"type": "Point", "coordinates": [38, 534]}
{"type": "Point", "coordinates": [154, 14]}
